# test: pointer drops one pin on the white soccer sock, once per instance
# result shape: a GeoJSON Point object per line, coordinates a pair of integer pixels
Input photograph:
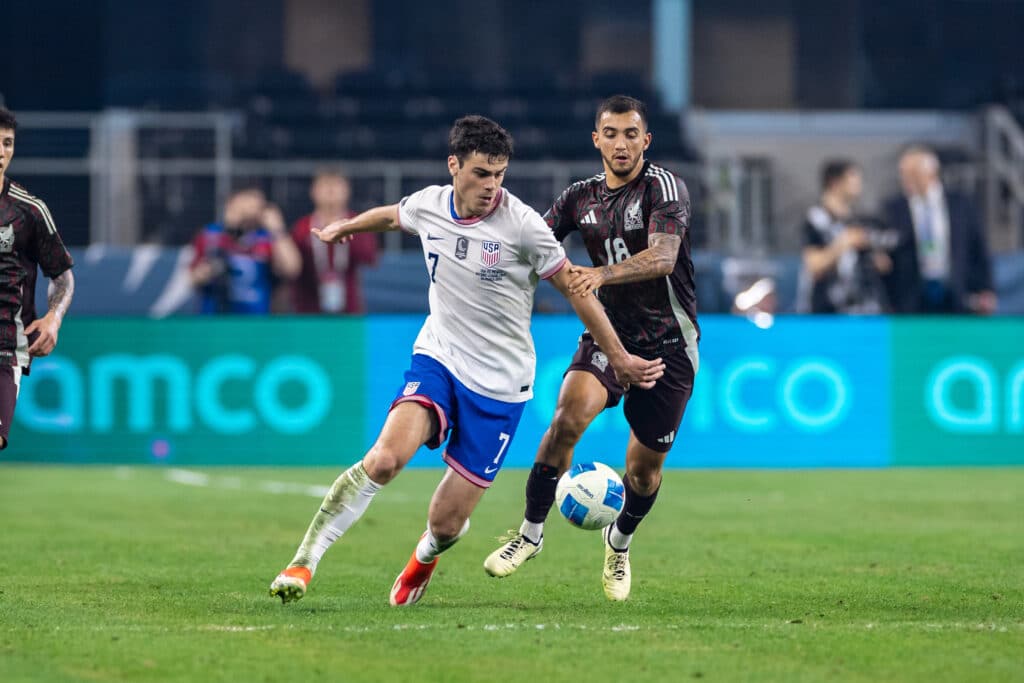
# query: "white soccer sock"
{"type": "Point", "coordinates": [430, 547]}
{"type": "Point", "coordinates": [618, 540]}
{"type": "Point", "coordinates": [345, 503]}
{"type": "Point", "coordinates": [533, 531]}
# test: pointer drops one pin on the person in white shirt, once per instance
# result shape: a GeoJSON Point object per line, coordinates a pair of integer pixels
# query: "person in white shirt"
{"type": "Point", "coordinates": [941, 262]}
{"type": "Point", "coordinates": [473, 362]}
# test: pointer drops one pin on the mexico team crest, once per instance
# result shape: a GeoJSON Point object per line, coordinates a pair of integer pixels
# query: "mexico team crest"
{"type": "Point", "coordinates": [7, 238]}
{"type": "Point", "coordinates": [490, 253]}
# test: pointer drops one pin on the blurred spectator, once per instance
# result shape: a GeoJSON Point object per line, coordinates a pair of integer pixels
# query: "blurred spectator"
{"type": "Point", "coordinates": [329, 280]}
{"type": "Point", "coordinates": [842, 259]}
{"type": "Point", "coordinates": [941, 262]}
{"type": "Point", "coordinates": [236, 260]}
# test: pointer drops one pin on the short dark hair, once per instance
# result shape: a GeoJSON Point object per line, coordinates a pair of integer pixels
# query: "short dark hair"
{"type": "Point", "coordinates": [7, 120]}
{"type": "Point", "coordinates": [621, 104]}
{"type": "Point", "coordinates": [476, 133]}
{"type": "Point", "coordinates": [833, 170]}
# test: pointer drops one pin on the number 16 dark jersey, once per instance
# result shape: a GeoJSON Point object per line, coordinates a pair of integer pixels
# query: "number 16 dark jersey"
{"type": "Point", "coordinates": [653, 317]}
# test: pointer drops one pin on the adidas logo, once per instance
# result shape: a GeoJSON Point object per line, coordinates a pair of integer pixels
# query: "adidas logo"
{"type": "Point", "coordinates": [589, 218]}
{"type": "Point", "coordinates": [668, 438]}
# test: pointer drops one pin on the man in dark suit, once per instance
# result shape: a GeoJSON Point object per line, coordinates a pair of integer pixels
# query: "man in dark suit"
{"type": "Point", "coordinates": [941, 262]}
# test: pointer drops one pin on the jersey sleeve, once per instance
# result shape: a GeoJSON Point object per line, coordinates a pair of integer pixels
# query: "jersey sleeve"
{"type": "Point", "coordinates": [200, 247]}
{"type": "Point", "coordinates": [408, 209]}
{"type": "Point", "coordinates": [816, 227]}
{"type": "Point", "coordinates": [51, 254]}
{"type": "Point", "coordinates": [561, 217]}
{"type": "Point", "coordinates": [812, 237]}
{"type": "Point", "coordinates": [670, 205]}
{"type": "Point", "coordinates": [540, 246]}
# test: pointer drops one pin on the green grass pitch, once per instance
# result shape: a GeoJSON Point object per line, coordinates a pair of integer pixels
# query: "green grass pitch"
{"type": "Point", "coordinates": [152, 574]}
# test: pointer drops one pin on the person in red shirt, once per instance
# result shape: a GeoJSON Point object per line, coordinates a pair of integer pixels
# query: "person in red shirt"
{"type": "Point", "coordinates": [329, 280]}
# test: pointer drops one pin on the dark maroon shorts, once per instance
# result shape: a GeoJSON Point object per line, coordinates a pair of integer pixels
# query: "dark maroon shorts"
{"type": "Point", "coordinates": [9, 378]}
{"type": "Point", "coordinates": [653, 414]}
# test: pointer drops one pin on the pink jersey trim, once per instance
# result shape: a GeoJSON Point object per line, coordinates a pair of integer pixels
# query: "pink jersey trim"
{"type": "Point", "coordinates": [425, 401]}
{"type": "Point", "coordinates": [474, 221]}
{"type": "Point", "coordinates": [554, 271]}
{"type": "Point", "coordinates": [464, 473]}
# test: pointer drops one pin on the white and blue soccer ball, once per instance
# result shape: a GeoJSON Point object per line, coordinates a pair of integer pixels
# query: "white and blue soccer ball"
{"type": "Point", "coordinates": [590, 495]}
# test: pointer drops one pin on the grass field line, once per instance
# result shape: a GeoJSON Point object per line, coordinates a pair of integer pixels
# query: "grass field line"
{"type": "Point", "coordinates": [919, 626]}
{"type": "Point", "coordinates": [200, 479]}
{"type": "Point", "coordinates": [271, 486]}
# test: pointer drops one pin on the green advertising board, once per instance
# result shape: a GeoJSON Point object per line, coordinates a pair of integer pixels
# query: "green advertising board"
{"type": "Point", "coordinates": [196, 391]}
{"type": "Point", "coordinates": [824, 391]}
{"type": "Point", "coordinates": [957, 389]}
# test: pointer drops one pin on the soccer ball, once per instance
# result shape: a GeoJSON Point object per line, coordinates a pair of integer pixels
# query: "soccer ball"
{"type": "Point", "coordinates": [590, 495]}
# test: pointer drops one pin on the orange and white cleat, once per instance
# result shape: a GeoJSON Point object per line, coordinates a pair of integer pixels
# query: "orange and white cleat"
{"type": "Point", "coordinates": [291, 583]}
{"type": "Point", "coordinates": [411, 584]}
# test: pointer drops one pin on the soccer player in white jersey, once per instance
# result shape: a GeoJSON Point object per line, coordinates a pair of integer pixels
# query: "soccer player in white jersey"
{"type": "Point", "coordinates": [473, 362]}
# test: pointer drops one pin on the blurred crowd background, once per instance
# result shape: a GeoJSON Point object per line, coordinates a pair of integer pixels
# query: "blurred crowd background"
{"type": "Point", "coordinates": [801, 129]}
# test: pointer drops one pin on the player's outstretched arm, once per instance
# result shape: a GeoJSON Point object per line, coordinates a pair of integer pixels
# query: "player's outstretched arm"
{"type": "Point", "coordinates": [61, 289]}
{"type": "Point", "coordinates": [657, 260]}
{"type": "Point", "coordinates": [379, 219]}
{"type": "Point", "coordinates": [629, 369]}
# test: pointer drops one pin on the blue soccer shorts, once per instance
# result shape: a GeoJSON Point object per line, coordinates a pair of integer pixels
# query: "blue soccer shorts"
{"type": "Point", "coordinates": [479, 429]}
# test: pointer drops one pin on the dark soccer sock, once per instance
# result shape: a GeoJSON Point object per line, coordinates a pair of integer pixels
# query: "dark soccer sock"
{"type": "Point", "coordinates": [634, 509]}
{"type": "Point", "coordinates": [540, 492]}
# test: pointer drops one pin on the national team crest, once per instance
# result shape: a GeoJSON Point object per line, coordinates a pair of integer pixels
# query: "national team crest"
{"type": "Point", "coordinates": [410, 388]}
{"type": "Point", "coordinates": [490, 253]}
{"type": "Point", "coordinates": [634, 217]}
{"type": "Point", "coordinates": [7, 239]}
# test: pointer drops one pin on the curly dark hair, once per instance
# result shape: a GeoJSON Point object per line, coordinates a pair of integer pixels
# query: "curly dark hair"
{"type": "Point", "coordinates": [7, 120]}
{"type": "Point", "coordinates": [621, 104]}
{"type": "Point", "coordinates": [476, 133]}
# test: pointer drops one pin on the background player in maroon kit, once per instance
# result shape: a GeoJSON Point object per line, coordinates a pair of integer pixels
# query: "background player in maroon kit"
{"type": "Point", "coordinates": [329, 279]}
{"type": "Point", "coordinates": [634, 220]}
{"type": "Point", "coordinates": [28, 241]}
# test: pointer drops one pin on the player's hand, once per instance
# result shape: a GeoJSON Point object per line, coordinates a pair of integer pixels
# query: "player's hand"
{"type": "Point", "coordinates": [638, 372]}
{"type": "Point", "coordinates": [273, 220]}
{"type": "Point", "coordinates": [983, 303]}
{"type": "Point", "coordinates": [584, 280]}
{"type": "Point", "coordinates": [47, 328]}
{"type": "Point", "coordinates": [204, 271]}
{"type": "Point", "coordinates": [854, 237]}
{"type": "Point", "coordinates": [333, 233]}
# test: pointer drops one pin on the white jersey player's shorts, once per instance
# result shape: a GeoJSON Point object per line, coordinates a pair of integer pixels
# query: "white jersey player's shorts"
{"type": "Point", "coordinates": [479, 429]}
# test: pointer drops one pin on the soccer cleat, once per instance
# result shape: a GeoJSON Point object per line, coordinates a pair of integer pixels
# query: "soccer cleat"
{"type": "Point", "coordinates": [516, 550]}
{"type": "Point", "coordinates": [291, 583]}
{"type": "Point", "coordinates": [411, 584]}
{"type": "Point", "coordinates": [616, 576]}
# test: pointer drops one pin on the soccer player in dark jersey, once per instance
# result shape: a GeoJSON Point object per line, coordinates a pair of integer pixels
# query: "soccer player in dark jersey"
{"type": "Point", "coordinates": [634, 220]}
{"type": "Point", "coordinates": [28, 241]}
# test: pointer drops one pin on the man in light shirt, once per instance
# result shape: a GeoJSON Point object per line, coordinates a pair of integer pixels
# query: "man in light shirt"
{"type": "Point", "coordinates": [473, 362]}
{"type": "Point", "coordinates": [941, 263]}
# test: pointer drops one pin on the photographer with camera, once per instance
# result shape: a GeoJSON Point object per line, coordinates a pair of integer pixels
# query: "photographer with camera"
{"type": "Point", "coordinates": [844, 257]}
{"type": "Point", "coordinates": [236, 260]}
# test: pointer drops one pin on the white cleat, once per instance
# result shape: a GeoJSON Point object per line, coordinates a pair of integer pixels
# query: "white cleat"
{"type": "Point", "coordinates": [616, 576]}
{"type": "Point", "coordinates": [516, 550]}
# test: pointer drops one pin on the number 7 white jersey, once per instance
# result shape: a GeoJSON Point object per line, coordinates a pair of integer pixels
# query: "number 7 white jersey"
{"type": "Point", "coordinates": [483, 274]}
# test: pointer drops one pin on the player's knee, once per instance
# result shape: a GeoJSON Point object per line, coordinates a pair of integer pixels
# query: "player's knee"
{"type": "Point", "coordinates": [382, 464]}
{"type": "Point", "coordinates": [568, 426]}
{"type": "Point", "coordinates": [447, 531]}
{"type": "Point", "coordinates": [644, 480]}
